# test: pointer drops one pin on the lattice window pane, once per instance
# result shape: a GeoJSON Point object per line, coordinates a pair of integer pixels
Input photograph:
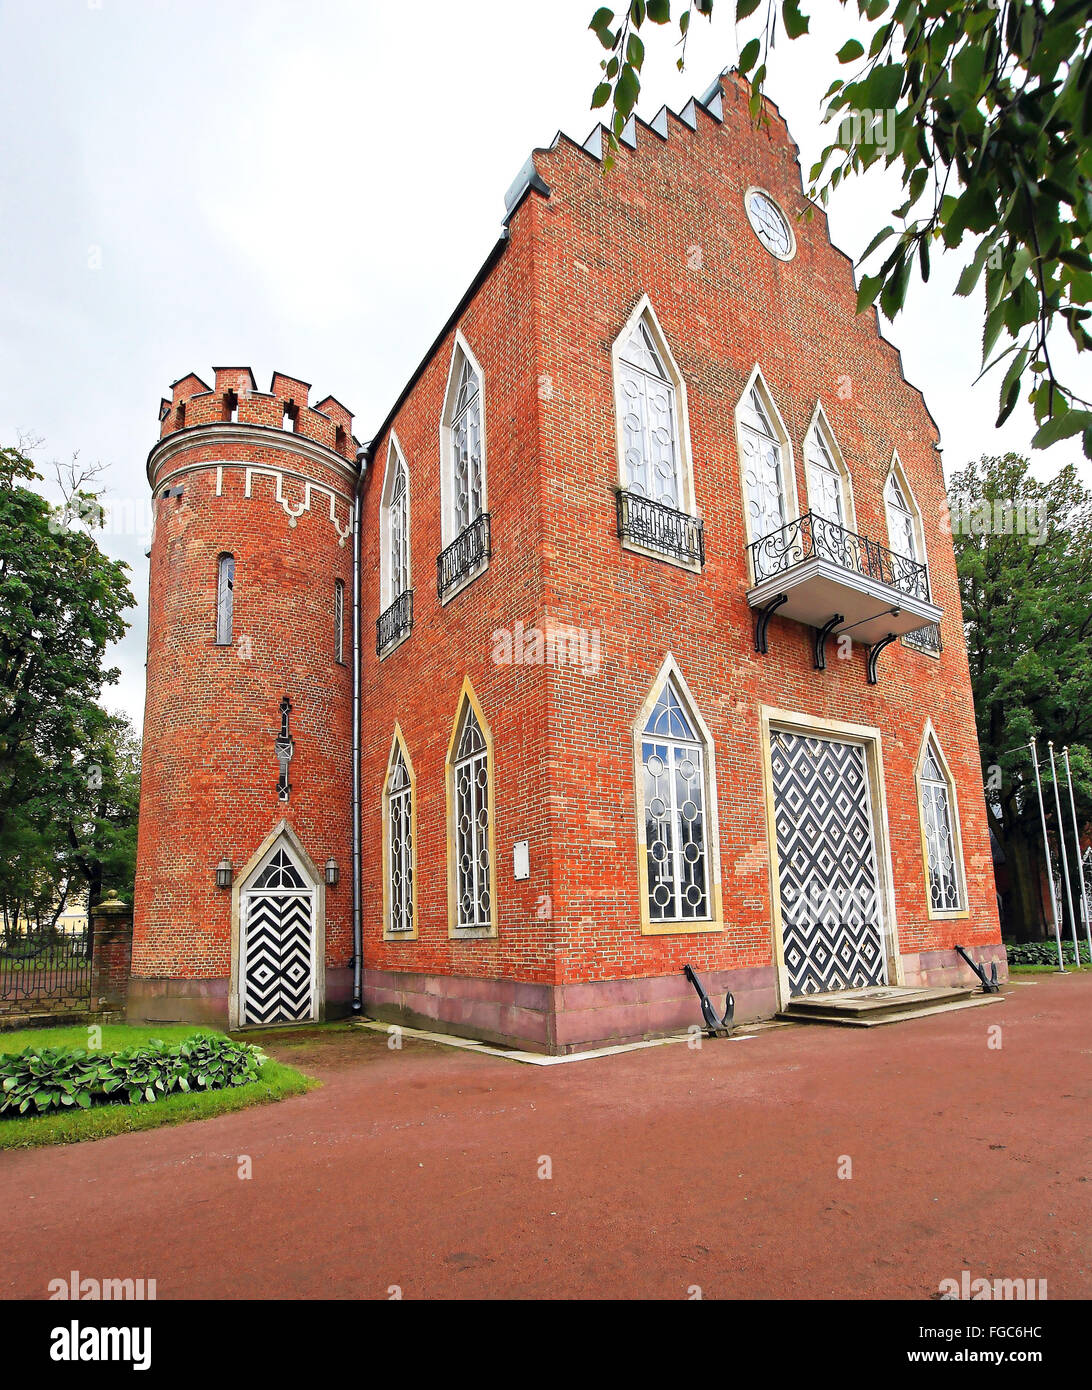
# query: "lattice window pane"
{"type": "Point", "coordinates": [945, 890]}
{"type": "Point", "coordinates": [825, 486]}
{"type": "Point", "coordinates": [225, 598]}
{"type": "Point", "coordinates": [466, 449]}
{"type": "Point", "coordinates": [763, 469]}
{"type": "Point", "coordinates": [472, 812]}
{"type": "Point", "coordinates": [900, 521]}
{"type": "Point", "coordinates": [676, 835]}
{"type": "Point", "coordinates": [339, 620]}
{"type": "Point", "coordinates": [646, 405]}
{"type": "Point", "coordinates": [400, 832]}
{"type": "Point", "coordinates": [398, 534]}
{"type": "Point", "coordinates": [280, 872]}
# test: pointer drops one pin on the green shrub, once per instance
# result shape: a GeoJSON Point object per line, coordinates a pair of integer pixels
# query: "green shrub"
{"type": "Point", "coordinates": [1043, 953]}
{"type": "Point", "coordinates": [52, 1079]}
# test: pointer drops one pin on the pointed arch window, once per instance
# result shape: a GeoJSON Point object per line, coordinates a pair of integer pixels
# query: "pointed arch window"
{"type": "Point", "coordinates": [399, 845]}
{"type": "Point", "coordinates": [464, 438]}
{"type": "Point", "coordinates": [225, 599]}
{"type": "Point", "coordinates": [676, 800]}
{"type": "Point", "coordinates": [656, 508]}
{"type": "Point", "coordinates": [650, 443]}
{"type": "Point", "coordinates": [901, 522]}
{"type": "Point", "coordinates": [940, 832]}
{"type": "Point", "coordinates": [396, 593]}
{"type": "Point", "coordinates": [394, 539]}
{"type": "Point", "coordinates": [472, 858]}
{"type": "Point", "coordinates": [828, 483]}
{"type": "Point", "coordinates": [766, 463]}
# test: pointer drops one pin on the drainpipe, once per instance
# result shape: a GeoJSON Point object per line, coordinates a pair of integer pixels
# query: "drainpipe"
{"type": "Point", "coordinates": [358, 931]}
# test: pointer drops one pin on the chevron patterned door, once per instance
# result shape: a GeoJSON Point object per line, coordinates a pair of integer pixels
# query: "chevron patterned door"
{"type": "Point", "coordinates": [277, 947]}
{"type": "Point", "coordinates": [827, 869]}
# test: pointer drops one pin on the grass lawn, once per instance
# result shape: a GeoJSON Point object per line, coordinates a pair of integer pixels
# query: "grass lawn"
{"type": "Point", "coordinates": [1047, 969]}
{"type": "Point", "coordinates": [29, 1131]}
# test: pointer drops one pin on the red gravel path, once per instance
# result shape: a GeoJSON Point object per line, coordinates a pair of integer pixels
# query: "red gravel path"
{"type": "Point", "coordinates": [671, 1168]}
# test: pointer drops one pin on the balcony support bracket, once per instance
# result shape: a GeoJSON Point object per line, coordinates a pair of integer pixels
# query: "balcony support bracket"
{"type": "Point", "coordinates": [874, 653]}
{"type": "Point", "coordinates": [821, 636]}
{"type": "Point", "coordinates": [762, 622]}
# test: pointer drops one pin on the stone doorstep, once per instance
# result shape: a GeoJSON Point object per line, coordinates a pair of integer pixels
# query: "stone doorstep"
{"type": "Point", "coordinates": [851, 1020]}
{"type": "Point", "coordinates": [878, 1000]}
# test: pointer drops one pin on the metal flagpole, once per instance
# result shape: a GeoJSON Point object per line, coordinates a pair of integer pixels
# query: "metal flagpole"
{"type": "Point", "coordinates": [1080, 861]}
{"type": "Point", "coordinates": [1065, 855]}
{"type": "Point", "coordinates": [1046, 847]}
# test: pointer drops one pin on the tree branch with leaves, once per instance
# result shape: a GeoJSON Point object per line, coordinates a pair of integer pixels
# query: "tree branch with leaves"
{"type": "Point", "coordinates": [985, 109]}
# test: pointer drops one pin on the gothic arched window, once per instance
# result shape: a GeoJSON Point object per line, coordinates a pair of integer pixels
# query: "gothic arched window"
{"type": "Point", "coordinates": [940, 831]}
{"type": "Point", "coordinates": [677, 835]}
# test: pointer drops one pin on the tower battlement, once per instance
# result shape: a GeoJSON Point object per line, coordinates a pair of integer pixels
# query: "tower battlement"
{"type": "Point", "coordinates": [234, 398]}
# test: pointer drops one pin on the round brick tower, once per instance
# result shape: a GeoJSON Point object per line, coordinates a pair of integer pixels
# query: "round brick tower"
{"type": "Point", "coordinates": [242, 910]}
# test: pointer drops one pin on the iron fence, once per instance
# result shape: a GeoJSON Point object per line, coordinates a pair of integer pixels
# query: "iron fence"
{"type": "Point", "coordinates": [44, 970]}
{"type": "Point", "coordinates": [812, 536]}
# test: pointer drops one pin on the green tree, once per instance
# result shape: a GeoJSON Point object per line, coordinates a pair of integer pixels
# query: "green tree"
{"type": "Point", "coordinates": [985, 106]}
{"type": "Point", "coordinates": [101, 826]}
{"type": "Point", "coordinates": [1024, 554]}
{"type": "Point", "coordinates": [61, 605]}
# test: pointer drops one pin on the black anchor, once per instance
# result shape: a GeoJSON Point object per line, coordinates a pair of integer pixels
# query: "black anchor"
{"type": "Point", "coordinates": [717, 1026]}
{"type": "Point", "coordinates": [989, 986]}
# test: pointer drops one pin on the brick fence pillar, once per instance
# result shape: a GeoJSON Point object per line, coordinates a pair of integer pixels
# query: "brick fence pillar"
{"type": "Point", "coordinates": [111, 952]}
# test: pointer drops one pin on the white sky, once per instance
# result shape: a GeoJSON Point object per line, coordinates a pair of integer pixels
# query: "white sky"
{"type": "Point", "coordinates": [310, 187]}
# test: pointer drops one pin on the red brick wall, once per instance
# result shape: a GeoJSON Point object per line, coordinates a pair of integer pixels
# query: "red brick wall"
{"type": "Point", "coordinates": [209, 780]}
{"type": "Point", "coordinates": [541, 325]}
{"type": "Point", "coordinates": [418, 683]}
{"type": "Point", "coordinates": [577, 264]}
{"type": "Point", "coordinates": [608, 239]}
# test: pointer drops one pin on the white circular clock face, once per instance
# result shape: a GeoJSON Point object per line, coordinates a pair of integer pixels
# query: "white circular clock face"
{"type": "Point", "coordinates": [770, 224]}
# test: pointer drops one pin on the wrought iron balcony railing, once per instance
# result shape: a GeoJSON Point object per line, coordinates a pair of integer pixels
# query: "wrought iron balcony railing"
{"type": "Point", "coordinates": [926, 639]}
{"type": "Point", "coordinates": [657, 527]}
{"type": "Point", "coordinates": [812, 537]}
{"type": "Point", "coordinates": [469, 549]}
{"type": "Point", "coordinates": [394, 621]}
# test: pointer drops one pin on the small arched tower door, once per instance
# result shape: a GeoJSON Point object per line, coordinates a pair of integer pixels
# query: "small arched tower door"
{"type": "Point", "coordinates": [277, 941]}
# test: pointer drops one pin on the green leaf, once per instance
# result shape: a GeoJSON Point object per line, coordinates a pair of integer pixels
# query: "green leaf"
{"type": "Point", "coordinates": [749, 57]}
{"type": "Point", "coordinates": [850, 51]}
{"type": "Point", "coordinates": [745, 8]}
{"type": "Point", "coordinates": [870, 288]}
{"type": "Point", "coordinates": [1061, 426]}
{"type": "Point", "coordinates": [601, 95]}
{"type": "Point", "coordinates": [795, 22]}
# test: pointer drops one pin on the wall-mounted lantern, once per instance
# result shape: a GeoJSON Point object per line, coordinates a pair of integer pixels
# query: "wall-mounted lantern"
{"type": "Point", "coordinates": [332, 873]}
{"type": "Point", "coordinates": [223, 874]}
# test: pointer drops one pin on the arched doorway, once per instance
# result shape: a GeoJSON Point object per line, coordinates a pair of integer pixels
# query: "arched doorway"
{"type": "Point", "coordinates": [278, 955]}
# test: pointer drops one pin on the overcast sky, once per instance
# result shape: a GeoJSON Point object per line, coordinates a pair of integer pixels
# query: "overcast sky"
{"type": "Point", "coordinates": [310, 187]}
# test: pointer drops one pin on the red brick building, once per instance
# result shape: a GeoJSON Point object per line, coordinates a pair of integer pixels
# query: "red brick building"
{"type": "Point", "coordinates": [668, 663]}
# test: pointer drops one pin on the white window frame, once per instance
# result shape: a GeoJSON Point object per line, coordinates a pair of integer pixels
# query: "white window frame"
{"type": "Point", "coordinates": [714, 922]}
{"type": "Point", "coordinates": [644, 312]}
{"type": "Point", "coordinates": [396, 460]}
{"type": "Point", "coordinates": [460, 350]}
{"type": "Point", "coordinates": [898, 472]}
{"type": "Point", "coordinates": [751, 219]}
{"type": "Point", "coordinates": [390, 933]}
{"type": "Point", "coordinates": [468, 700]}
{"type": "Point", "coordinates": [756, 381]}
{"type": "Point", "coordinates": [820, 427]}
{"type": "Point", "coordinates": [930, 739]}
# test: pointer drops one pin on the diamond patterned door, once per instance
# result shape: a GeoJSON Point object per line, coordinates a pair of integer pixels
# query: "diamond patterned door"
{"type": "Point", "coordinates": [826, 857]}
{"type": "Point", "coordinates": [277, 947]}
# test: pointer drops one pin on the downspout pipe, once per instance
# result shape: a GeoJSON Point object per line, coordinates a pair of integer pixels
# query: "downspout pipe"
{"type": "Point", "coordinates": [358, 928]}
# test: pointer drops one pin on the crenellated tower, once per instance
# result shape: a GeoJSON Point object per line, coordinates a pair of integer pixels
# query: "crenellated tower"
{"type": "Point", "coordinates": [242, 904]}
